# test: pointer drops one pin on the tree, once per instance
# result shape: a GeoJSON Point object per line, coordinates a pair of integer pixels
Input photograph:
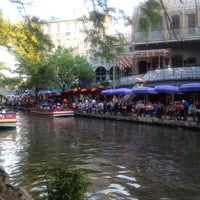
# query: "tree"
{"type": "Point", "coordinates": [4, 31]}
{"type": "Point", "coordinates": [30, 43]}
{"type": "Point", "coordinates": [31, 46]}
{"type": "Point", "coordinates": [104, 44]}
{"type": "Point", "coordinates": [150, 16]}
{"type": "Point", "coordinates": [68, 69]}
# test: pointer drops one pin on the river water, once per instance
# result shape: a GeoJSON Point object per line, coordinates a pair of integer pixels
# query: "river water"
{"type": "Point", "coordinates": [124, 160]}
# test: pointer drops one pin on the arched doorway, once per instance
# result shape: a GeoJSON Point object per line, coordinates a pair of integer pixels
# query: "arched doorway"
{"type": "Point", "coordinates": [100, 73]}
{"type": "Point", "coordinates": [117, 73]}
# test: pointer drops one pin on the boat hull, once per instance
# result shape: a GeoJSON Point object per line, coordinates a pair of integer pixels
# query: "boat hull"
{"type": "Point", "coordinates": [53, 113]}
{"type": "Point", "coordinates": [8, 120]}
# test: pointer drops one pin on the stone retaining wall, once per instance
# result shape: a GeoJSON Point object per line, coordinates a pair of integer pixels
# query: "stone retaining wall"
{"type": "Point", "coordinates": [9, 192]}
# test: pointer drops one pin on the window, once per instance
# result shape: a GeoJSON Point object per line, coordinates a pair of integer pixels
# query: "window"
{"type": "Point", "coordinates": [58, 28]}
{"type": "Point", "coordinates": [191, 61]}
{"type": "Point", "coordinates": [177, 60]}
{"type": "Point", "coordinates": [191, 23]}
{"type": "Point", "coordinates": [76, 27]}
{"type": "Point", "coordinates": [100, 73]}
{"type": "Point", "coordinates": [175, 21]}
{"type": "Point", "coordinates": [191, 20]}
{"type": "Point", "coordinates": [176, 24]}
{"type": "Point", "coordinates": [49, 28]}
{"type": "Point", "coordinates": [67, 27]}
{"type": "Point", "coordinates": [58, 43]}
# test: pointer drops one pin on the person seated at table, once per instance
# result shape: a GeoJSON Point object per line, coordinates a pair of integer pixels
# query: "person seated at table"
{"type": "Point", "coordinates": [140, 108]}
{"type": "Point", "coordinates": [170, 110]}
{"type": "Point", "coordinates": [191, 109]}
{"type": "Point", "coordinates": [157, 109]}
{"type": "Point", "coordinates": [179, 113]}
{"type": "Point", "coordinates": [149, 107]}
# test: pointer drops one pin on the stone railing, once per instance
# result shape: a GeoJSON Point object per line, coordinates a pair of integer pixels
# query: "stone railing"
{"type": "Point", "coordinates": [191, 73]}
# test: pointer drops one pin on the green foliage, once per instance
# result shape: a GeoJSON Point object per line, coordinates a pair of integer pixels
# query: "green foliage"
{"type": "Point", "coordinates": [103, 44]}
{"type": "Point", "coordinates": [67, 68]}
{"type": "Point", "coordinates": [105, 83]}
{"type": "Point", "coordinates": [66, 183]}
{"type": "Point", "coordinates": [150, 15]}
{"type": "Point", "coordinates": [30, 43]}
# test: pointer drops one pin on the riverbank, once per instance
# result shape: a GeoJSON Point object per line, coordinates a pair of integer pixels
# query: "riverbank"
{"type": "Point", "coordinates": [189, 123]}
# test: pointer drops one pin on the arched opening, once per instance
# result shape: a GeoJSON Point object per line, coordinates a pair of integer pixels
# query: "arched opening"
{"type": "Point", "coordinates": [118, 72]}
{"type": "Point", "coordinates": [100, 74]}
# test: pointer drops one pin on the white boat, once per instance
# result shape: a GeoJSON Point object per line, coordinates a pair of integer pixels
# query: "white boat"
{"type": "Point", "coordinates": [8, 120]}
{"type": "Point", "coordinates": [55, 112]}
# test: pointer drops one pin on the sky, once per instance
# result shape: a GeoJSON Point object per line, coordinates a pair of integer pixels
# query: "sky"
{"type": "Point", "coordinates": [45, 9]}
{"type": "Point", "coordinates": [59, 8]}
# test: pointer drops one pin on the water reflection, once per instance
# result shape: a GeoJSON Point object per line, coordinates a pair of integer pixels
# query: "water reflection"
{"type": "Point", "coordinates": [124, 160]}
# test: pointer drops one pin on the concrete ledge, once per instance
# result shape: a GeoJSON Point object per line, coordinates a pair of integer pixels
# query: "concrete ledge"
{"type": "Point", "coordinates": [144, 120]}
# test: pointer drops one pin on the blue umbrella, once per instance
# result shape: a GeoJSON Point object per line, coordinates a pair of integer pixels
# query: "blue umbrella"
{"type": "Point", "coordinates": [166, 89]}
{"type": "Point", "coordinates": [107, 92]}
{"type": "Point", "coordinates": [10, 96]}
{"type": "Point", "coordinates": [143, 90]}
{"type": "Point", "coordinates": [122, 91]}
{"type": "Point", "coordinates": [189, 87]}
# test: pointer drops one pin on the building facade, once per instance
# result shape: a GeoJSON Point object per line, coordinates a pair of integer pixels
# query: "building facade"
{"type": "Point", "coordinates": [172, 52]}
{"type": "Point", "coordinates": [72, 33]}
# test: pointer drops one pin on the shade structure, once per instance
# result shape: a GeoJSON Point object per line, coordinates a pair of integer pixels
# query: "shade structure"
{"type": "Point", "coordinates": [107, 92]}
{"type": "Point", "coordinates": [143, 90]}
{"type": "Point", "coordinates": [10, 96]}
{"type": "Point", "coordinates": [171, 89]}
{"type": "Point", "coordinates": [44, 93]}
{"type": "Point", "coordinates": [189, 87]}
{"type": "Point", "coordinates": [55, 92]}
{"type": "Point", "coordinates": [122, 91]}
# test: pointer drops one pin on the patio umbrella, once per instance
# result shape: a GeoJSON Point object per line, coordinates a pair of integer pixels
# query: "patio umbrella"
{"type": "Point", "coordinates": [122, 91]}
{"type": "Point", "coordinates": [107, 92]}
{"type": "Point", "coordinates": [10, 96]}
{"type": "Point", "coordinates": [189, 87]}
{"type": "Point", "coordinates": [143, 90]}
{"type": "Point", "coordinates": [166, 89]}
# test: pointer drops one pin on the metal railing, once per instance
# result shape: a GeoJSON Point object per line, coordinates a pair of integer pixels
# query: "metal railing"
{"type": "Point", "coordinates": [181, 34]}
{"type": "Point", "coordinates": [165, 74]}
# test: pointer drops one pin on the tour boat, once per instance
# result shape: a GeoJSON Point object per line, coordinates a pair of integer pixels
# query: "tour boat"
{"type": "Point", "coordinates": [55, 112]}
{"type": "Point", "coordinates": [8, 120]}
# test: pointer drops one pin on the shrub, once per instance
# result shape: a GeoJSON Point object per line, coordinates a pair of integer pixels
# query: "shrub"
{"type": "Point", "coordinates": [68, 184]}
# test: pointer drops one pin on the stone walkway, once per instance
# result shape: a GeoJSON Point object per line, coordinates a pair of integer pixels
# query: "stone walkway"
{"type": "Point", "coordinates": [189, 124]}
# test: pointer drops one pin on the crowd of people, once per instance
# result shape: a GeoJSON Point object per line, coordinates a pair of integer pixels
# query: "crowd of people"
{"type": "Point", "coordinates": [117, 105]}
{"type": "Point", "coordinates": [178, 110]}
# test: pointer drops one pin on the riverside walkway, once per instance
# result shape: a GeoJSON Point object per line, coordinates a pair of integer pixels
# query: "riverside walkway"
{"type": "Point", "coordinates": [188, 124]}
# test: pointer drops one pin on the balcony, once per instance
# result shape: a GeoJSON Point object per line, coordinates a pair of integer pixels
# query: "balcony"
{"type": "Point", "coordinates": [160, 36]}
{"type": "Point", "coordinates": [168, 75]}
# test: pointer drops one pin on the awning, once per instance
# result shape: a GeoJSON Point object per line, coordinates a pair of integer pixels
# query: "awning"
{"type": "Point", "coordinates": [126, 60]}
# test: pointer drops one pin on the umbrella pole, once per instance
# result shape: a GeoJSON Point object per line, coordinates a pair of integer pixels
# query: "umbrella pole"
{"type": "Point", "coordinates": [194, 95]}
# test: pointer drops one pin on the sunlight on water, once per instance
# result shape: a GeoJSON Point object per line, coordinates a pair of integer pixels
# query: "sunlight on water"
{"type": "Point", "coordinates": [125, 161]}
